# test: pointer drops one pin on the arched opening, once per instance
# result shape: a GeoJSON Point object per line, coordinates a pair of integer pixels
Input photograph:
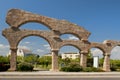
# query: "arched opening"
{"type": "Point", "coordinates": [95, 57]}
{"type": "Point", "coordinates": [34, 26]}
{"type": "Point", "coordinates": [69, 37]}
{"type": "Point", "coordinates": [115, 59]}
{"type": "Point", "coordinates": [35, 50]}
{"type": "Point", "coordinates": [68, 54]}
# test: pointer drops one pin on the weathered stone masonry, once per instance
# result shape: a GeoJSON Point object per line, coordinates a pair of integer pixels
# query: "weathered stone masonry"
{"type": "Point", "coordinates": [15, 18]}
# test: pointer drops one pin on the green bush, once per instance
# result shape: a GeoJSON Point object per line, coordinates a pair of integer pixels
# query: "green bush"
{"type": "Point", "coordinates": [87, 69]}
{"type": "Point", "coordinates": [4, 67]}
{"type": "Point", "coordinates": [4, 59]}
{"type": "Point", "coordinates": [72, 68]}
{"type": "Point", "coordinates": [114, 68]}
{"type": "Point", "coordinates": [78, 68]}
{"type": "Point", "coordinates": [115, 65]}
{"type": "Point", "coordinates": [92, 69]}
{"type": "Point", "coordinates": [25, 67]}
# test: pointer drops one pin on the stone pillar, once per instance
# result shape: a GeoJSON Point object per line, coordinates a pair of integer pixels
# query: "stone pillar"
{"type": "Point", "coordinates": [106, 63]}
{"type": "Point", "coordinates": [55, 66]}
{"type": "Point", "coordinates": [13, 59]}
{"type": "Point", "coordinates": [83, 58]}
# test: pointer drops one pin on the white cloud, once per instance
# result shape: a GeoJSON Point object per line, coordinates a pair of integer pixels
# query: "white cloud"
{"type": "Point", "coordinates": [24, 47]}
{"type": "Point", "coordinates": [4, 49]}
{"type": "Point", "coordinates": [39, 50]}
{"type": "Point", "coordinates": [47, 46]}
{"type": "Point", "coordinates": [3, 46]}
{"type": "Point", "coordinates": [27, 42]}
{"type": "Point", "coordinates": [73, 38]}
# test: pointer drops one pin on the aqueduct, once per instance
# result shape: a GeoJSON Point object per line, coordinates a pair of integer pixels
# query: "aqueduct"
{"type": "Point", "coordinates": [15, 18]}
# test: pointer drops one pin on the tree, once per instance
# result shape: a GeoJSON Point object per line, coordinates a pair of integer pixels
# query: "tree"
{"type": "Point", "coordinates": [31, 59]}
{"type": "Point", "coordinates": [45, 61]}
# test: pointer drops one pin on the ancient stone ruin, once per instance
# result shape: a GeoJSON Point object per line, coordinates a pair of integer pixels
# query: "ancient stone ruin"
{"type": "Point", "coordinates": [15, 18]}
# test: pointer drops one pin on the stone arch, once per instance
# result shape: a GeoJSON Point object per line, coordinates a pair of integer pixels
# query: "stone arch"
{"type": "Point", "coordinates": [35, 44]}
{"type": "Point", "coordinates": [97, 49]}
{"type": "Point", "coordinates": [15, 18]}
{"type": "Point", "coordinates": [108, 47]}
{"type": "Point", "coordinates": [71, 43]}
{"type": "Point", "coordinates": [99, 46]}
{"type": "Point", "coordinates": [69, 28]}
{"type": "Point", "coordinates": [15, 36]}
{"type": "Point", "coordinates": [25, 36]}
{"type": "Point", "coordinates": [113, 45]}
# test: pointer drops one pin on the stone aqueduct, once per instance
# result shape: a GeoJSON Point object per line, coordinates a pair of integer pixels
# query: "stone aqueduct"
{"type": "Point", "coordinates": [15, 18]}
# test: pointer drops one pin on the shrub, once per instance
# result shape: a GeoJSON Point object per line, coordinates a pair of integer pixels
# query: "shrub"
{"type": "Point", "coordinates": [92, 69]}
{"type": "Point", "coordinates": [4, 59]}
{"type": "Point", "coordinates": [25, 67]}
{"type": "Point", "coordinates": [72, 68]}
{"type": "Point", "coordinates": [87, 69]}
{"type": "Point", "coordinates": [113, 68]}
{"type": "Point", "coordinates": [4, 67]}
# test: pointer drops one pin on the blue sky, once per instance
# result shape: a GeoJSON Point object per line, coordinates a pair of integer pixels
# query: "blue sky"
{"type": "Point", "coordinates": [100, 17]}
